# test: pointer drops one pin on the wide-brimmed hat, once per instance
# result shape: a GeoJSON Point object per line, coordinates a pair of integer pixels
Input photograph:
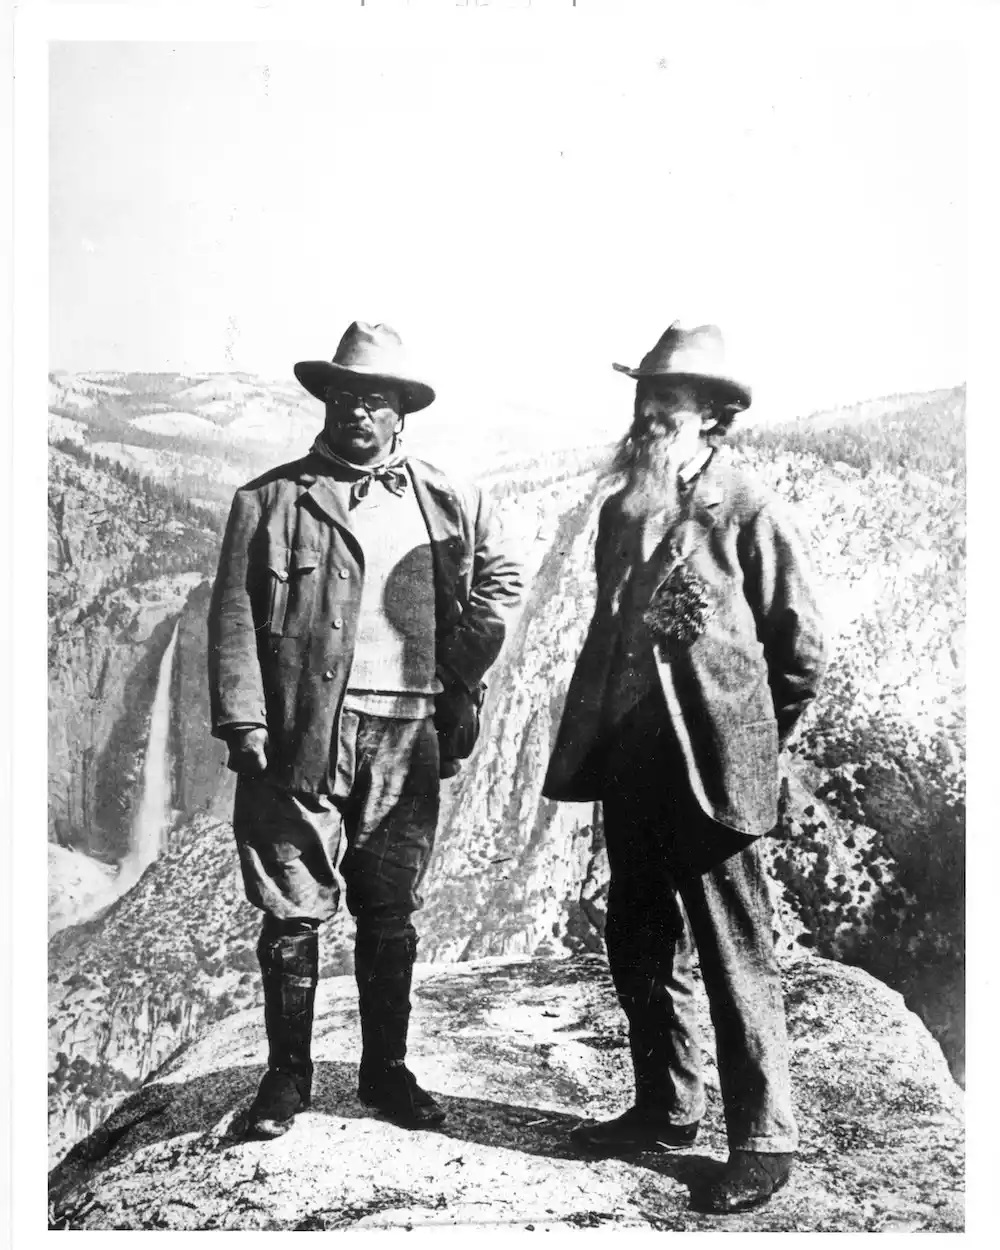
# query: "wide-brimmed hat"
{"type": "Point", "coordinates": [697, 356]}
{"type": "Point", "coordinates": [373, 353]}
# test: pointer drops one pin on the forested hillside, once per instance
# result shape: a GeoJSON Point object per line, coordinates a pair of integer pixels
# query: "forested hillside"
{"type": "Point", "coordinates": [868, 861]}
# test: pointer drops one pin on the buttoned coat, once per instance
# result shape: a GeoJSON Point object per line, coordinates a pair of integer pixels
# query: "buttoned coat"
{"type": "Point", "coordinates": [733, 697]}
{"type": "Point", "coordinates": [284, 610]}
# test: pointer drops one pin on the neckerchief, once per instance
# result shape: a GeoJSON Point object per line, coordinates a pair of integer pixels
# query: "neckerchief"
{"type": "Point", "coordinates": [389, 472]}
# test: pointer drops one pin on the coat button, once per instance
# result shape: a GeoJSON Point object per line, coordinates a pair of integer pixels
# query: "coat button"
{"type": "Point", "coordinates": [328, 675]}
{"type": "Point", "coordinates": [337, 622]}
{"type": "Point", "coordinates": [343, 573]}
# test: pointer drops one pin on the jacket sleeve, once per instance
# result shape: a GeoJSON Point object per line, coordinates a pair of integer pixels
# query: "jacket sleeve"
{"type": "Point", "coordinates": [236, 687]}
{"type": "Point", "coordinates": [780, 588]}
{"type": "Point", "coordinates": [495, 591]}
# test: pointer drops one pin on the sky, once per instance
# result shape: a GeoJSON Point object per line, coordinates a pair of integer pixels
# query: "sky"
{"type": "Point", "coordinates": [524, 210]}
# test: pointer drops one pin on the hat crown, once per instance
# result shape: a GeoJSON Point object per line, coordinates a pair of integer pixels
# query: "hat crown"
{"type": "Point", "coordinates": [697, 351]}
{"type": "Point", "coordinates": [370, 347]}
{"type": "Point", "coordinates": [696, 356]}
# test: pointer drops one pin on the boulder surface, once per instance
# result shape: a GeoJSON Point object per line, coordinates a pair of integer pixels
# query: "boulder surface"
{"type": "Point", "coordinates": [520, 1050]}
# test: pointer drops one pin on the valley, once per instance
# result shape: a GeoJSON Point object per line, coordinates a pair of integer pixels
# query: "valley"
{"type": "Point", "coordinates": [867, 862]}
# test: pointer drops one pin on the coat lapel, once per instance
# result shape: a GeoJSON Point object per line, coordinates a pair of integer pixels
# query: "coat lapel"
{"type": "Point", "coordinates": [324, 496]}
{"type": "Point", "coordinates": [699, 514]}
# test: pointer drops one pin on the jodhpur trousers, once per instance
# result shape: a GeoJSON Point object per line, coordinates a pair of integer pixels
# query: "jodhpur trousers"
{"type": "Point", "coordinates": [375, 835]}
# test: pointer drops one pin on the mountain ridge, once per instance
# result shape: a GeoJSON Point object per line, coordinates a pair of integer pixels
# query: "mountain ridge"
{"type": "Point", "coordinates": [867, 861]}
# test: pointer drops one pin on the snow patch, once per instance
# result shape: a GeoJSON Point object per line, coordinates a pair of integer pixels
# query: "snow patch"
{"type": "Point", "coordinates": [66, 428]}
{"type": "Point", "coordinates": [218, 387]}
{"type": "Point", "coordinates": [273, 423]}
{"type": "Point", "coordinates": [63, 396]}
{"type": "Point", "coordinates": [176, 424]}
{"type": "Point", "coordinates": [218, 408]}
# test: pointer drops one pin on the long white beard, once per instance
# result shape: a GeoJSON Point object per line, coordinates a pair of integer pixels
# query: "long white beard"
{"type": "Point", "coordinates": [650, 468]}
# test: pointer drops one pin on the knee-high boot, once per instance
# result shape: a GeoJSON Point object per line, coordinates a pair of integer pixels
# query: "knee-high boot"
{"type": "Point", "coordinates": [289, 963]}
{"type": "Point", "coordinates": [383, 964]}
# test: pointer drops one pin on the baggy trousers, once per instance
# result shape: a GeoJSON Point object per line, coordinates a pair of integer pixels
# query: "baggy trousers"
{"type": "Point", "coordinates": [681, 882]}
{"type": "Point", "coordinates": [375, 834]}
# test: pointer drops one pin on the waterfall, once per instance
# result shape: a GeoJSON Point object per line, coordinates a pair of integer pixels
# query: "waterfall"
{"type": "Point", "coordinates": [153, 813]}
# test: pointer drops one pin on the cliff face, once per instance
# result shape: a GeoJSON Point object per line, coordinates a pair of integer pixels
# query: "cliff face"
{"type": "Point", "coordinates": [122, 562]}
{"type": "Point", "coordinates": [866, 861]}
{"type": "Point", "coordinates": [518, 1052]}
{"type": "Point", "coordinates": [511, 867]}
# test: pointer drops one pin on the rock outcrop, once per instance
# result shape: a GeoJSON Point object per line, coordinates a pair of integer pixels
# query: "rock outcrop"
{"type": "Point", "coordinates": [519, 1051]}
{"type": "Point", "coordinates": [128, 988]}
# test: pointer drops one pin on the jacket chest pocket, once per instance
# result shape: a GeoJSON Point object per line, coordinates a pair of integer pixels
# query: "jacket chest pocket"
{"type": "Point", "coordinates": [292, 575]}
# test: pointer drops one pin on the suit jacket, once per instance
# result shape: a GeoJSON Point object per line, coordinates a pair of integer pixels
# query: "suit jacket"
{"type": "Point", "coordinates": [285, 605]}
{"type": "Point", "coordinates": [734, 695]}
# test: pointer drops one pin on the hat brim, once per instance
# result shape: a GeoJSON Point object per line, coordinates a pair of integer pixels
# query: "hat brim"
{"type": "Point", "coordinates": [735, 391]}
{"type": "Point", "coordinates": [317, 375]}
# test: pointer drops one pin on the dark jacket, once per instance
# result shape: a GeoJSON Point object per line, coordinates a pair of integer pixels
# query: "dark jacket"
{"type": "Point", "coordinates": [285, 607]}
{"type": "Point", "coordinates": [734, 695]}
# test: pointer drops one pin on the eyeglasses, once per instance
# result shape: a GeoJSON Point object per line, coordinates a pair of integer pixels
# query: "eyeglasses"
{"type": "Point", "coordinates": [345, 399]}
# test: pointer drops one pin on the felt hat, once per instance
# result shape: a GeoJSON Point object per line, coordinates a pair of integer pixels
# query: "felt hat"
{"type": "Point", "coordinates": [696, 356]}
{"type": "Point", "coordinates": [370, 353]}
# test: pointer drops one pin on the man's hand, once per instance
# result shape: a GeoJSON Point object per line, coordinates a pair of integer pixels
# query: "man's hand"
{"type": "Point", "coordinates": [248, 751]}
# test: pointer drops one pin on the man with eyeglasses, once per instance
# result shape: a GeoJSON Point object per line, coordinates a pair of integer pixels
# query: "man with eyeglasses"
{"type": "Point", "coordinates": [704, 649]}
{"type": "Point", "coordinates": [359, 601]}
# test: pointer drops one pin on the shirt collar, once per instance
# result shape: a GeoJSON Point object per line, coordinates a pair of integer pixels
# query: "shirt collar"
{"type": "Point", "coordinates": [694, 466]}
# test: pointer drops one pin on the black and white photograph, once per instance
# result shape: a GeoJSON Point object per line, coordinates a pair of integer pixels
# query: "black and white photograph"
{"type": "Point", "coordinates": [505, 646]}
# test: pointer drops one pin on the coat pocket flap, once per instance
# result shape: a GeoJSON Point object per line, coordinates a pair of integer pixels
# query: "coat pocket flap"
{"type": "Point", "coordinates": [283, 561]}
{"type": "Point", "coordinates": [303, 559]}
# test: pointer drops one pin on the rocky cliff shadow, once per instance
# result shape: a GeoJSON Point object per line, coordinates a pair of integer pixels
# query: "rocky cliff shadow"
{"type": "Point", "coordinates": [210, 1107]}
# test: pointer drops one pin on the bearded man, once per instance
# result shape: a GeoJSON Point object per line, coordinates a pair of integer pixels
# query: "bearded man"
{"type": "Point", "coordinates": [359, 601]}
{"type": "Point", "coordinates": [704, 649]}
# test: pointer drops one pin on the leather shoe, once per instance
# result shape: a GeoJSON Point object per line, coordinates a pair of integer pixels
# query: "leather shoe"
{"type": "Point", "coordinates": [635, 1130]}
{"type": "Point", "coordinates": [279, 1099]}
{"type": "Point", "coordinates": [748, 1181]}
{"type": "Point", "coordinates": [393, 1090]}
